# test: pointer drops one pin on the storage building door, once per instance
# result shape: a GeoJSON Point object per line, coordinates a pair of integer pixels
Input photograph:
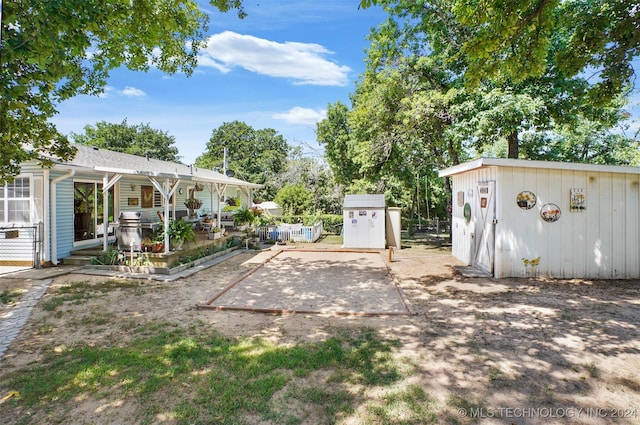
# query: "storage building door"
{"type": "Point", "coordinates": [485, 214]}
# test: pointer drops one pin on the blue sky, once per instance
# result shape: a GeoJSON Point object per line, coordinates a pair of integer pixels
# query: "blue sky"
{"type": "Point", "coordinates": [278, 68]}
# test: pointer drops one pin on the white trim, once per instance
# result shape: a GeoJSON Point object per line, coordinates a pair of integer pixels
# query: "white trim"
{"type": "Point", "coordinates": [30, 199]}
{"type": "Point", "coordinates": [46, 194]}
{"type": "Point", "coordinates": [523, 163]}
{"type": "Point", "coordinates": [96, 239]}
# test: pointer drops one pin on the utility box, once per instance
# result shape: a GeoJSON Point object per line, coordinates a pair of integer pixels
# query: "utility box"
{"type": "Point", "coordinates": [364, 221]}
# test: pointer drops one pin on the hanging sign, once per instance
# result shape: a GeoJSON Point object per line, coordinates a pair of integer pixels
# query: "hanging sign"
{"type": "Point", "coordinates": [577, 200]}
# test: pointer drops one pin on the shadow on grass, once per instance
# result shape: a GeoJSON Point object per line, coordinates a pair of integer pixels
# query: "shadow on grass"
{"type": "Point", "coordinates": [203, 379]}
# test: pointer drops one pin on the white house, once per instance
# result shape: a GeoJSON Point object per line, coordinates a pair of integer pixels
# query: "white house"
{"type": "Point", "coordinates": [45, 213]}
{"type": "Point", "coordinates": [515, 218]}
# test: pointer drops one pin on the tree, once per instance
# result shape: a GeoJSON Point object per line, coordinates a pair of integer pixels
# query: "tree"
{"type": "Point", "coordinates": [54, 50]}
{"type": "Point", "coordinates": [422, 42]}
{"type": "Point", "coordinates": [255, 155]}
{"type": "Point", "coordinates": [515, 40]}
{"type": "Point", "coordinates": [294, 199]}
{"type": "Point", "coordinates": [316, 177]}
{"type": "Point", "coordinates": [133, 139]}
{"type": "Point", "coordinates": [335, 134]}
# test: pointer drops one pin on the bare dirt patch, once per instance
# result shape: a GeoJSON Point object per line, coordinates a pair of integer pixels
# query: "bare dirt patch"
{"type": "Point", "coordinates": [518, 351]}
{"type": "Point", "coordinates": [316, 281]}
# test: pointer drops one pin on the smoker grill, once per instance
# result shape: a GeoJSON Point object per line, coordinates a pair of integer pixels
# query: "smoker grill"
{"type": "Point", "coordinates": [129, 230]}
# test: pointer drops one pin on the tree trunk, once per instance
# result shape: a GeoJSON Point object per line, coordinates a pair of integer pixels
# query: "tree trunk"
{"type": "Point", "coordinates": [512, 140]}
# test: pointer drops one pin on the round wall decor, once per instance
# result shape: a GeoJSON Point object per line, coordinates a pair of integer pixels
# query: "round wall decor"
{"type": "Point", "coordinates": [526, 200]}
{"type": "Point", "coordinates": [550, 213]}
{"type": "Point", "coordinates": [467, 212]}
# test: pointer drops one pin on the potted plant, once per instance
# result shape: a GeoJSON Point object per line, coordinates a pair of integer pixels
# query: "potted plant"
{"type": "Point", "coordinates": [158, 240]}
{"type": "Point", "coordinates": [179, 232]}
{"type": "Point", "coordinates": [216, 233]}
{"type": "Point", "coordinates": [193, 204]}
{"type": "Point", "coordinates": [146, 245]}
{"type": "Point", "coordinates": [243, 217]}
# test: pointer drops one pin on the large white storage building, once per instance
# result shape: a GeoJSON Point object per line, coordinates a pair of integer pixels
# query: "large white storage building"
{"type": "Point", "coordinates": [516, 218]}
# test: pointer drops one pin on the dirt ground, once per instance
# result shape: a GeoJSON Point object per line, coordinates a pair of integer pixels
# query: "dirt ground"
{"type": "Point", "coordinates": [528, 350]}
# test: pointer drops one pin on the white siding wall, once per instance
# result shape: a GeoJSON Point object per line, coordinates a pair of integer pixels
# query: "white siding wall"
{"type": "Point", "coordinates": [64, 217]}
{"type": "Point", "coordinates": [601, 242]}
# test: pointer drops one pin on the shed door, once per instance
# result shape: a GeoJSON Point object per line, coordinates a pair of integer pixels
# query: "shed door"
{"type": "Point", "coordinates": [485, 213]}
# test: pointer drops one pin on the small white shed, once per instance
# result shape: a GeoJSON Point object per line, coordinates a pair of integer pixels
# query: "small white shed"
{"type": "Point", "coordinates": [517, 218]}
{"type": "Point", "coordinates": [364, 221]}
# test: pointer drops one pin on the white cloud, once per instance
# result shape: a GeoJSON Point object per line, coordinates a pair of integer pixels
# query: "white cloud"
{"type": "Point", "coordinates": [133, 92]}
{"type": "Point", "coordinates": [299, 115]}
{"type": "Point", "coordinates": [304, 63]}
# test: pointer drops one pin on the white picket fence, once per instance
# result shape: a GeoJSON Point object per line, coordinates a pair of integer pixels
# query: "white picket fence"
{"type": "Point", "coordinates": [290, 232]}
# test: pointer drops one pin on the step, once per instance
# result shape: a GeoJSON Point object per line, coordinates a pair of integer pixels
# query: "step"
{"type": "Point", "coordinates": [77, 260]}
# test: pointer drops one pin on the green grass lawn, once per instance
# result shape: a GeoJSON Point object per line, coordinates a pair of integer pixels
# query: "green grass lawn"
{"type": "Point", "coordinates": [201, 377]}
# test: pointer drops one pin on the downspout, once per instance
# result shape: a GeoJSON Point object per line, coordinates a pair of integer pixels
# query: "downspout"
{"type": "Point", "coordinates": [54, 246]}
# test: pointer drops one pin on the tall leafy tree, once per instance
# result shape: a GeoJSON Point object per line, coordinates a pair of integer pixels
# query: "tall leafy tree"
{"type": "Point", "coordinates": [515, 40]}
{"type": "Point", "coordinates": [51, 51]}
{"type": "Point", "coordinates": [335, 134]}
{"type": "Point", "coordinates": [134, 139]}
{"type": "Point", "coordinates": [294, 199]}
{"type": "Point", "coordinates": [498, 108]}
{"type": "Point", "coordinates": [254, 155]}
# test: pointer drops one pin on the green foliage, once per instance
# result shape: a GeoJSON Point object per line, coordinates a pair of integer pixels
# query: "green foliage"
{"type": "Point", "coordinates": [243, 216]}
{"type": "Point", "coordinates": [8, 296]}
{"type": "Point", "coordinates": [55, 50]}
{"type": "Point", "coordinates": [255, 155]}
{"type": "Point", "coordinates": [515, 41]}
{"type": "Point", "coordinates": [110, 257]}
{"type": "Point", "coordinates": [180, 230]}
{"type": "Point", "coordinates": [294, 199]}
{"type": "Point", "coordinates": [133, 139]}
{"type": "Point", "coordinates": [339, 148]}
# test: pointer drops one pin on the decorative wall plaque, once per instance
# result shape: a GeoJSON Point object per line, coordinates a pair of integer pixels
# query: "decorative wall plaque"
{"type": "Point", "coordinates": [550, 213]}
{"type": "Point", "coordinates": [467, 212]}
{"type": "Point", "coordinates": [577, 200]}
{"type": "Point", "coordinates": [526, 200]}
{"type": "Point", "coordinates": [147, 196]}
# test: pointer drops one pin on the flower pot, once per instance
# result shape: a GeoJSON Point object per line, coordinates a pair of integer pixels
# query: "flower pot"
{"type": "Point", "coordinates": [216, 235]}
{"type": "Point", "coordinates": [157, 248]}
{"type": "Point", "coordinates": [176, 245]}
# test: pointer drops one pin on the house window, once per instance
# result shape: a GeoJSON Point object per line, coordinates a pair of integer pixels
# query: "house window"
{"type": "Point", "coordinates": [157, 199]}
{"type": "Point", "coordinates": [15, 204]}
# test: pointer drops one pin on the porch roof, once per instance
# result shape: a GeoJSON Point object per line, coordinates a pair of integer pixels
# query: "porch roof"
{"type": "Point", "coordinates": [103, 161]}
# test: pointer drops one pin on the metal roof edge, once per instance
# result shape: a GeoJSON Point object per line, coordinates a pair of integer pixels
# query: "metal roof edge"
{"type": "Point", "coordinates": [524, 163]}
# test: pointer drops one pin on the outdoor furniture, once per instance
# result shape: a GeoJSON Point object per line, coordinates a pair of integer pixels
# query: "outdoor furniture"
{"type": "Point", "coordinates": [206, 226]}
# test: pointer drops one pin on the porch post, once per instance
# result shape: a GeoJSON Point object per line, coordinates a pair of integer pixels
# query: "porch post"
{"type": "Point", "coordinates": [219, 189]}
{"type": "Point", "coordinates": [105, 213]}
{"type": "Point", "coordinates": [167, 184]}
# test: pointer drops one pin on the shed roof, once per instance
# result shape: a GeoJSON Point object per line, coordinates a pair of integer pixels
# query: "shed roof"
{"type": "Point", "coordinates": [105, 161]}
{"type": "Point", "coordinates": [523, 163]}
{"type": "Point", "coordinates": [364, 201]}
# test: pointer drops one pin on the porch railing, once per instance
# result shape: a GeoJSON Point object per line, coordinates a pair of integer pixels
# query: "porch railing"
{"type": "Point", "coordinates": [290, 232]}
